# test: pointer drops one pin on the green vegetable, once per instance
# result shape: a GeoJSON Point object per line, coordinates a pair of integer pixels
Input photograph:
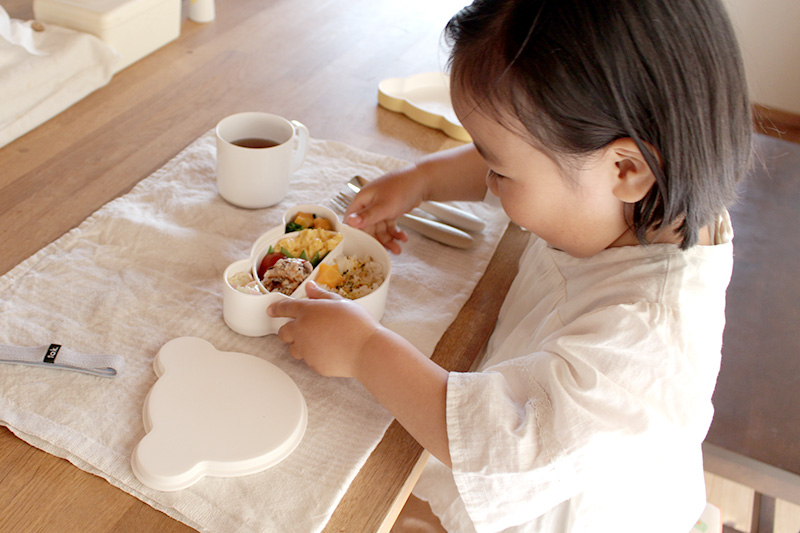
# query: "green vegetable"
{"type": "Point", "coordinates": [293, 226]}
{"type": "Point", "coordinates": [286, 252]}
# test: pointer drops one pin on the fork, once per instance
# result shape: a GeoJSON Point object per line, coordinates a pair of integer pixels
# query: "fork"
{"type": "Point", "coordinates": [430, 228]}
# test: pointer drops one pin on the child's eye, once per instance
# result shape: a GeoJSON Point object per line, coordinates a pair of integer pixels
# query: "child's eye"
{"type": "Point", "coordinates": [496, 174]}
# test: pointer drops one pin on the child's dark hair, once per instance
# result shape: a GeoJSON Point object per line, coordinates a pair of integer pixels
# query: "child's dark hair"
{"type": "Point", "coordinates": [581, 74]}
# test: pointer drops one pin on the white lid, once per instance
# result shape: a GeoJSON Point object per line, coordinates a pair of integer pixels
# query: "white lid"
{"type": "Point", "coordinates": [213, 413]}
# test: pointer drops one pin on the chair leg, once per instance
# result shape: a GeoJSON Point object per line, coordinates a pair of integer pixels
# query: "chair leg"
{"type": "Point", "coordinates": [763, 514]}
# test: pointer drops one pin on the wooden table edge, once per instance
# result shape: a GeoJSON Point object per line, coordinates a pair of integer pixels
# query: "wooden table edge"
{"type": "Point", "coordinates": [388, 476]}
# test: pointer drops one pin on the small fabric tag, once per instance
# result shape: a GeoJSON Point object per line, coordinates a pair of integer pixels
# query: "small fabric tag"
{"type": "Point", "coordinates": [58, 356]}
{"type": "Point", "coordinates": [52, 352]}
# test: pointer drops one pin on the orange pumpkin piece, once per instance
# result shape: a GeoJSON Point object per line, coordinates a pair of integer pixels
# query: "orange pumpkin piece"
{"type": "Point", "coordinates": [322, 223]}
{"type": "Point", "coordinates": [304, 219]}
{"type": "Point", "coordinates": [329, 276]}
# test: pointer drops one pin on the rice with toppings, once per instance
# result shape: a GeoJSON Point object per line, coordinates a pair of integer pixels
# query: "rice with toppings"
{"type": "Point", "coordinates": [361, 276]}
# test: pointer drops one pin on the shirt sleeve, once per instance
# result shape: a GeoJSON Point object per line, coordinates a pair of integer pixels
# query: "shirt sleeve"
{"type": "Point", "coordinates": [534, 431]}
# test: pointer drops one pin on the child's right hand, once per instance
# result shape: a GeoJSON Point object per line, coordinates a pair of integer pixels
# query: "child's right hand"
{"type": "Point", "coordinates": [455, 174]}
{"type": "Point", "coordinates": [376, 208]}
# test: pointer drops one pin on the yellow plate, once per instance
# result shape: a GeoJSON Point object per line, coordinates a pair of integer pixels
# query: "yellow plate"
{"type": "Point", "coordinates": [424, 98]}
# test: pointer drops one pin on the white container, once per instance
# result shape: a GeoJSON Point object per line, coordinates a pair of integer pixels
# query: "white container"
{"type": "Point", "coordinates": [215, 414]}
{"type": "Point", "coordinates": [201, 10]}
{"type": "Point", "coordinates": [246, 314]}
{"type": "Point", "coordinates": [134, 28]}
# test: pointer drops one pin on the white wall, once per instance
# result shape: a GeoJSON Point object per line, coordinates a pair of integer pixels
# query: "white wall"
{"type": "Point", "coordinates": [769, 35]}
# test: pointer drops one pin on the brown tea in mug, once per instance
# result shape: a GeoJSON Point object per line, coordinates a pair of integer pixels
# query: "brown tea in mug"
{"type": "Point", "coordinates": [255, 142]}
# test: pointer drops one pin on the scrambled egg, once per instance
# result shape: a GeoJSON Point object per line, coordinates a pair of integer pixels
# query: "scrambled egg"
{"type": "Point", "coordinates": [312, 241]}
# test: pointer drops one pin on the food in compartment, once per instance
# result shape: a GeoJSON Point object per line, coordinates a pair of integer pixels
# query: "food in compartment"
{"type": "Point", "coordinates": [289, 262]}
{"type": "Point", "coordinates": [286, 275]}
{"type": "Point", "coordinates": [303, 221]}
{"type": "Point", "coordinates": [329, 276]}
{"type": "Point", "coordinates": [351, 276]}
{"type": "Point", "coordinates": [313, 243]}
{"type": "Point", "coordinates": [244, 282]}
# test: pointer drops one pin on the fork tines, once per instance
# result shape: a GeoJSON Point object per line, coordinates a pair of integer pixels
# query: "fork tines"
{"type": "Point", "coordinates": [341, 201]}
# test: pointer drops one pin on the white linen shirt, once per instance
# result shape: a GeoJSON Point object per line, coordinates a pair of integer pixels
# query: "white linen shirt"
{"type": "Point", "coordinates": [591, 405]}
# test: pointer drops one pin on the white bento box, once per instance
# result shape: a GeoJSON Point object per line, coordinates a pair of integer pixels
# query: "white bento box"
{"type": "Point", "coordinates": [134, 28]}
{"type": "Point", "coordinates": [246, 313]}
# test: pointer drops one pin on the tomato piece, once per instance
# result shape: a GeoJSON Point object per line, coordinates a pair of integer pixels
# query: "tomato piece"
{"type": "Point", "coordinates": [268, 262]}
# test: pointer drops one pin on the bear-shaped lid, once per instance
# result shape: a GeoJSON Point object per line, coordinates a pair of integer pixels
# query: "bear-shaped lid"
{"type": "Point", "coordinates": [213, 413]}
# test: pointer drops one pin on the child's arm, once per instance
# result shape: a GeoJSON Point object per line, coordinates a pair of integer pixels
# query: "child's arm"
{"type": "Point", "coordinates": [455, 174]}
{"type": "Point", "coordinates": [337, 337]}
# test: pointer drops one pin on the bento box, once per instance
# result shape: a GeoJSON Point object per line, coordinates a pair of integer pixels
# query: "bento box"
{"type": "Point", "coordinates": [285, 258]}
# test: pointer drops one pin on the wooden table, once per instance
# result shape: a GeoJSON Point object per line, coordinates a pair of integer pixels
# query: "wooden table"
{"type": "Point", "coordinates": [315, 61]}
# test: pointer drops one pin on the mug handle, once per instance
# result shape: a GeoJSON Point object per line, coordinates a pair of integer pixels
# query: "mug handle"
{"type": "Point", "coordinates": [300, 144]}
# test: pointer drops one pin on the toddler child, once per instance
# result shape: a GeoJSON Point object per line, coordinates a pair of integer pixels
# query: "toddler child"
{"type": "Point", "coordinates": [616, 133]}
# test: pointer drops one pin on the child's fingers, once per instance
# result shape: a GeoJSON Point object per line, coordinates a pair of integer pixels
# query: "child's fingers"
{"type": "Point", "coordinates": [292, 308]}
{"type": "Point", "coordinates": [393, 247]}
{"type": "Point", "coordinates": [355, 213]}
{"type": "Point", "coordinates": [285, 307]}
{"type": "Point", "coordinates": [286, 334]}
{"type": "Point", "coordinates": [364, 218]}
{"type": "Point", "coordinates": [389, 235]}
{"type": "Point", "coordinates": [319, 292]}
{"type": "Point", "coordinates": [399, 234]}
{"type": "Point", "coordinates": [368, 210]}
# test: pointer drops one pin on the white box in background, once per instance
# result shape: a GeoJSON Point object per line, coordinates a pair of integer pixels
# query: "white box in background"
{"type": "Point", "coordinates": [134, 28]}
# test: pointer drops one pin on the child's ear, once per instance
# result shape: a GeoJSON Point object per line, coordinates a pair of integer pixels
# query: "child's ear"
{"type": "Point", "coordinates": [634, 179]}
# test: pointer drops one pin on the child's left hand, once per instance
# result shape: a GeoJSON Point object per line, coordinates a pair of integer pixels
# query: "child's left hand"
{"type": "Point", "coordinates": [328, 332]}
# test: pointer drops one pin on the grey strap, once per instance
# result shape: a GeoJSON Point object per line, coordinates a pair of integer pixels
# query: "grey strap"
{"type": "Point", "coordinates": [57, 356]}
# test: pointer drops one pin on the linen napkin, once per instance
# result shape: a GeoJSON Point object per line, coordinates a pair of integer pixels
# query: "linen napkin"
{"type": "Point", "coordinates": [146, 268]}
{"type": "Point", "coordinates": [45, 69]}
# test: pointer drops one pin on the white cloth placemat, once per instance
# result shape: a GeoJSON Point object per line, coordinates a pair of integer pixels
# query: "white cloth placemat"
{"type": "Point", "coordinates": [146, 268]}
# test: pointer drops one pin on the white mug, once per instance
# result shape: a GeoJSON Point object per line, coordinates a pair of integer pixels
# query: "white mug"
{"type": "Point", "coordinates": [256, 156]}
